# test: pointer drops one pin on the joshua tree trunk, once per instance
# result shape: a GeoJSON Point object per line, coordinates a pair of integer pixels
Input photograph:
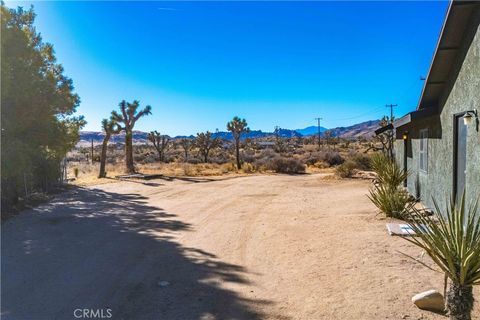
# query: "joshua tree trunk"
{"type": "Point", "coordinates": [129, 152]}
{"type": "Point", "coordinates": [237, 151]}
{"type": "Point", "coordinates": [205, 156]}
{"type": "Point", "coordinates": [103, 158]}
{"type": "Point", "coordinates": [460, 302]}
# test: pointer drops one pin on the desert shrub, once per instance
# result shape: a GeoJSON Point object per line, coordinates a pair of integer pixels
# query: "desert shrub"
{"type": "Point", "coordinates": [169, 159]}
{"type": "Point", "coordinates": [194, 161]}
{"type": "Point", "coordinates": [267, 154]}
{"type": "Point", "coordinates": [321, 165]}
{"type": "Point", "coordinates": [248, 158]}
{"type": "Point", "coordinates": [262, 164]}
{"type": "Point", "coordinates": [313, 158]}
{"type": "Point", "coordinates": [139, 157]}
{"type": "Point", "coordinates": [187, 169]}
{"type": "Point", "coordinates": [386, 194]}
{"type": "Point", "coordinates": [393, 202]}
{"type": "Point", "coordinates": [219, 160]}
{"type": "Point", "coordinates": [248, 167]}
{"type": "Point", "coordinates": [387, 170]}
{"type": "Point", "coordinates": [286, 165]}
{"type": "Point", "coordinates": [362, 161]}
{"type": "Point", "coordinates": [346, 169]}
{"type": "Point", "coordinates": [149, 158]}
{"type": "Point", "coordinates": [228, 167]}
{"type": "Point", "coordinates": [333, 158]}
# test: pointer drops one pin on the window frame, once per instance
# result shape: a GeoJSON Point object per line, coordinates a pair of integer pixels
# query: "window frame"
{"type": "Point", "coordinates": [423, 152]}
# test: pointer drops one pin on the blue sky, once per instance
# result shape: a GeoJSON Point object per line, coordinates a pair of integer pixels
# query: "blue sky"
{"type": "Point", "coordinates": [275, 63]}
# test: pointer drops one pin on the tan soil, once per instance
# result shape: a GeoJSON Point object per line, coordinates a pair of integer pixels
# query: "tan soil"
{"type": "Point", "coordinates": [270, 247]}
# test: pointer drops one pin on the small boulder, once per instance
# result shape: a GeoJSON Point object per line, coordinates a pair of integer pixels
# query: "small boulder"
{"type": "Point", "coordinates": [431, 300]}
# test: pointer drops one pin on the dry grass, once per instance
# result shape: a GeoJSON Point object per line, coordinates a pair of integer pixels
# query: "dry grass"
{"type": "Point", "coordinates": [88, 173]}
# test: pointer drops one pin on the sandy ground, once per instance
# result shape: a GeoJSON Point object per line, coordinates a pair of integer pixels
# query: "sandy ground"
{"type": "Point", "coordinates": [258, 247]}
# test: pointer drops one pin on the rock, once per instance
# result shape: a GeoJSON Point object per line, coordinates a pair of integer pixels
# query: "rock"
{"type": "Point", "coordinates": [367, 175]}
{"type": "Point", "coordinates": [431, 300]}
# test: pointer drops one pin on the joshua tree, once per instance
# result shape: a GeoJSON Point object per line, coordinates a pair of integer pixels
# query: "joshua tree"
{"type": "Point", "coordinates": [186, 145]}
{"type": "Point", "coordinates": [128, 116]}
{"type": "Point", "coordinates": [205, 142]}
{"type": "Point", "coordinates": [453, 243]}
{"type": "Point", "coordinates": [160, 142]}
{"type": "Point", "coordinates": [385, 139]}
{"type": "Point", "coordinates": [110, 127]}
{"type": "Point", "coordinates": [279, 142]}
{"type": "Point", "coordinates": [237, 126]}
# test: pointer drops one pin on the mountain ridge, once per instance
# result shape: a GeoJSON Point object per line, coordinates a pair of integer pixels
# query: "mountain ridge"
{"type": "Point", "coordinates": [365, 129]}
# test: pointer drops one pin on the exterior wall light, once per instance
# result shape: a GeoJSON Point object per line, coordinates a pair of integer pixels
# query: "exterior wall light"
{"type": "Point", "coordinates": [471, 116]}
{"type": "Point", "coordinates": [468, 117]}
{"type": "Point", "coordinates": [405, 136]}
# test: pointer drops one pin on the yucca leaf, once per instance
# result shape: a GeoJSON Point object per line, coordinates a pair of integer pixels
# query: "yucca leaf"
{"type": "Point", "coordinates": [452, 242]}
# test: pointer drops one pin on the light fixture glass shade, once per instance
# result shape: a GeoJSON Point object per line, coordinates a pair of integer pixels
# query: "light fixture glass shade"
{"type": "Point", "coordinates": [467, 118]}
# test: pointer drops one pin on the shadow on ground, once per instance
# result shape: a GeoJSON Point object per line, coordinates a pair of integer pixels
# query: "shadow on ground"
{"type": "Point", "coordinates": [97, 250]}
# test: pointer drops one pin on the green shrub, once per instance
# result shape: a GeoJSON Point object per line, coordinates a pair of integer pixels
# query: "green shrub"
{"type": "Point", "coordinates": [393, 202]}
{"type": "Point", "coordinates": [286, 165]}
{"type": "Point", "coordinates": [387, 170]}
{"type": "Point", "coordinates": [387, 195]}
{"type": "Point", "coordinates": [346, 169]}
{"type": "Point", "coordinates": [452, 240]}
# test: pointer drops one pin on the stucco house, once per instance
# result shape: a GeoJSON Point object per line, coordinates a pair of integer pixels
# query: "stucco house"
{"type": "Point", "coordinates": [439, 143]}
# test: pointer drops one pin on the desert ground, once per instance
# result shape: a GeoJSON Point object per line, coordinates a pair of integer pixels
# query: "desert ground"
{"type": "Point", "coordinates": [254, 247]}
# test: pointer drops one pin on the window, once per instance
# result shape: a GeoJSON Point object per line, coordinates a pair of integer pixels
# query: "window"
{"type": "Point", "coordinates": [423, 150]}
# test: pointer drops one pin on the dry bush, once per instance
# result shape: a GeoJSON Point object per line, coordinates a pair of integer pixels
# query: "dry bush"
{"type": "Point", "coordinates": [332, 158]}
{"type": "Point", "coordinates": [346, 169]}
{"type": "Point", "coordinates": [362, 161]}
{"type": "Point", "coordinates": [248, 168]}
{"type": "Point", "coordinates": [286, 165]}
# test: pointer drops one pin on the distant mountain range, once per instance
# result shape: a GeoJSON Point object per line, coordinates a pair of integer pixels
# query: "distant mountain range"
{"type": "Point", "coordinates": [364, 129]}
{"type": "Point", "coordinates": [312, 130]}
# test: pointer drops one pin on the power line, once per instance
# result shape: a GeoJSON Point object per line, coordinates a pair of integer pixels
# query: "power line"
{"type": "Point", "coordinates": [360, 115]}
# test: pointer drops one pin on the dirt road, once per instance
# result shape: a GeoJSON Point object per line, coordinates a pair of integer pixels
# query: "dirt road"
{"type": "Point", "coordinates": [268, 247]}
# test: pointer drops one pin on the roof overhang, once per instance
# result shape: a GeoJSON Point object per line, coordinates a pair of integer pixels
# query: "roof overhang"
{"type": "Point", "coordinates": [415, 115]}
{"type": "Point", "coordinates": [449, 45]}
{"type": "Point", "coordinates": [383, 129]}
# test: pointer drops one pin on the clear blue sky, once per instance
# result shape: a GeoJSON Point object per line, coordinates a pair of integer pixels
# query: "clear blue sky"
{"type": "Point", "coordinates": [274, 63]}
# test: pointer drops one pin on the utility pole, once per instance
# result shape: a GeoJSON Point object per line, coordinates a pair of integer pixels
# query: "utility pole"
{"type": "Point", "coordinates": [92, 152]}
{"type": "Point", "coordinates": [319, 133]}
{"type": "Point", "coordinates": [391, 106]}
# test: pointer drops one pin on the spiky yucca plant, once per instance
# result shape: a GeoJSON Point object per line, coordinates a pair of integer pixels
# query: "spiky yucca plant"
{"type": "Point", "coordinates": [386, 194]}
{"type": "Point", "coordinates": [387, 170]}
{"type": "Point", "coordinates": [453, 243]}
{"type": "Point", "coordinates": [393, 202]}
